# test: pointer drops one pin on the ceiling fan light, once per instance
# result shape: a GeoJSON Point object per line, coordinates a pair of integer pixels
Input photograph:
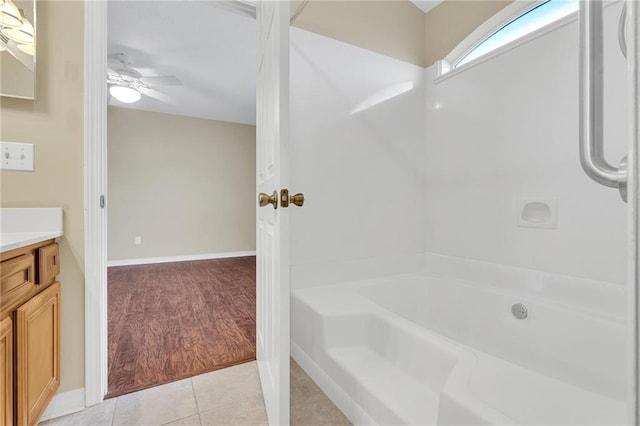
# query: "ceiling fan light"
{"type": "Point", "coordinates": [29, 49]}
{"type": "Point", "coordinates": [10, 16]}
{"type": "Point", "coordinates": [124, 94]}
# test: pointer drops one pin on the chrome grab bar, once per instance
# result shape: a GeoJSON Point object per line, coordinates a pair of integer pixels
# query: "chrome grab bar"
{"type": "Point", "coordinates": [622, 26]}
{"type": "Point", "coordinates": [591, 101]}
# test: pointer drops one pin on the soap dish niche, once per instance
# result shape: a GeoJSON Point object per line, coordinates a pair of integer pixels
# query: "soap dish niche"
{"type": "Point", "coordinates": [538, 213]}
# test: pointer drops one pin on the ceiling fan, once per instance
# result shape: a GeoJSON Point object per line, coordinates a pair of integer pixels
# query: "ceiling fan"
{"type": "Point", "coordinates": [127, 84]}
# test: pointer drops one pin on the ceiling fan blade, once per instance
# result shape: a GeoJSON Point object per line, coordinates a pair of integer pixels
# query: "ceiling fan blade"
{"type": "Point", "coordinates": [166, 80]}
{"type": "Point", "coordinates": [152, 93]}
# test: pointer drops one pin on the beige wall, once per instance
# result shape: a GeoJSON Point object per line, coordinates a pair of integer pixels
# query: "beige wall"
{"type": "Point", "coordinates": [54, 123]}
{"type": "Point", "coordinates": [397, 28]}
{"type": "Point", "coordinates": [447, 24]}
{"type": "Point", "coordinates": [15, 78]}
{"type": "Point", "coordinates": [185, 185]}
{"type": "Point", "coordinates": [393, 28]}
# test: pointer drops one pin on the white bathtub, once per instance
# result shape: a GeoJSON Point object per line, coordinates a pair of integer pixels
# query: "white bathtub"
{"type": "Point", "coordinates": [419, 349]}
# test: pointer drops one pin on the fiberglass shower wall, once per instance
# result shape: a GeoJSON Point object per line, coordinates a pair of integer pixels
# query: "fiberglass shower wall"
{"type": "Point", "coordinates": [405, 173]}
{"type": "Point", "coordinates": [357, 153]}
{"type": "Point", "coordinates": [503, 131]}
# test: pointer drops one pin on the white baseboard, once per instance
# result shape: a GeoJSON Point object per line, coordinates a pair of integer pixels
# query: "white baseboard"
{"type": "Point", "coordinates": [64, 403]}
{"type": "Point", "coordinates": [189, 257]}
{"type": "Point", "coordinates": [339, 397]}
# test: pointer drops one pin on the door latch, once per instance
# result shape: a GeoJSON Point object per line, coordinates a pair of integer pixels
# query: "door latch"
{"type": "Point", "coordinates": [286, 199]}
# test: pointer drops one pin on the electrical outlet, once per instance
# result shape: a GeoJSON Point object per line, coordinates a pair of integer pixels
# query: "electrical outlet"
{"type": "Point", "coordinates": [16, 156]}
{"type": "Point", "coordinates": [138, 241]}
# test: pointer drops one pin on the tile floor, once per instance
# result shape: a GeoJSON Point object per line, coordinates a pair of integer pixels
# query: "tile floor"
{"type": "Point", "coordinates": [309, 405]}
{"type": "Point", "coordinates": [231, 396]}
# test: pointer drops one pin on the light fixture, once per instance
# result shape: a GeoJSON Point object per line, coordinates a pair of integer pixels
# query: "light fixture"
{"type": "Point", "coordinates": [22, 34]}
{"type": "Point", "coordinates": [10, 16]}
{"type": "Point", "coordinates": [29, 49]}
{"type": "Point", "coordinates": [125, 94]}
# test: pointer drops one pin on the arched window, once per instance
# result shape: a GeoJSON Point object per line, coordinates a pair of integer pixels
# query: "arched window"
{"type": "Point", "coordinates": [524, 23]}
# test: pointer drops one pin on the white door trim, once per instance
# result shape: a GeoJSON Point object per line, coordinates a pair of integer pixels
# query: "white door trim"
{"type": "Point", "coordinates": [95, 226]}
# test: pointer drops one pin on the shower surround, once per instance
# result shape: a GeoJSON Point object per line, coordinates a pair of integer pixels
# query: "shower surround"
{"type": "Point", "coordinates": [434, 304]}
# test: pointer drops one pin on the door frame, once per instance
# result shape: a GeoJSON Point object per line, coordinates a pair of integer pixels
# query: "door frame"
{"type": "Point", "coordinates": [95, 187]}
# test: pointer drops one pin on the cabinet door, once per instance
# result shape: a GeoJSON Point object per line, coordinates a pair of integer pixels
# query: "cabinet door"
{"type": "Point", "coordinates": [6, 372]}
{"type": "Point", "coordinates": [37, 354]}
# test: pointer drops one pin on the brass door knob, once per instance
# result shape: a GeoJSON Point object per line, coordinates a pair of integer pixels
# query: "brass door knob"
{"type": "Point", "coordinates": [297, 199]}
{"type": "Point", "coordinates": [264, 199]}
{"type": "Point", "coordinates": [285, 199]}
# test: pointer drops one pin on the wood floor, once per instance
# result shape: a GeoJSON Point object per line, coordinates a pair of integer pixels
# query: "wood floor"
{"type": "Point", "coordinates": [170, 321]}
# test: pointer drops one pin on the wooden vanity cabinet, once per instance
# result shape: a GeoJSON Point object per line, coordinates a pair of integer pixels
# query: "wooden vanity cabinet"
{"type": "Point", "coordinates": [29, 332]}
{"type": "Point", "coordinates": [6, 372]}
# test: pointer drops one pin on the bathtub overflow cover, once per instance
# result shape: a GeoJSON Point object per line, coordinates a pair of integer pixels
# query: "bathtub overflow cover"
{"type": "Point", "coordinates": [519, 311]}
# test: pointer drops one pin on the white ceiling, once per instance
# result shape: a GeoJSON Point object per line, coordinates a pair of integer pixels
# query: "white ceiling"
{"type": "Point", "coordinates": [426, 5]}
{"type": "Point", "coordinates": [212, 51]}
{"type": "Point", "coordinates": [209, 47]}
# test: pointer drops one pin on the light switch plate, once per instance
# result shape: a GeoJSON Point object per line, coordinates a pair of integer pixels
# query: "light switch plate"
{"type": "Point", "coordinates": [16, 156]}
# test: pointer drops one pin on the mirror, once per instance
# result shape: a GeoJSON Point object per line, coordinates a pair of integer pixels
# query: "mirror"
{"type": "Point", "coordinates": [18, 48]}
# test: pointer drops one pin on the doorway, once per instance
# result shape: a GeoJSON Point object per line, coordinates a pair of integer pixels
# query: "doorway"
{"type": "Point", "coordinates": [181, 180]}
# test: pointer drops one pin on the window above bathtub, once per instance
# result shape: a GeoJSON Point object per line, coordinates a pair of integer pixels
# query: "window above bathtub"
{"type": "Point", "coordinates": [515, 21]}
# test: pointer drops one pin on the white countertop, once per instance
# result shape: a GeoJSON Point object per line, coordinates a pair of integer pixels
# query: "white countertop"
{"type": "Point", "coordinates": [23, 227]}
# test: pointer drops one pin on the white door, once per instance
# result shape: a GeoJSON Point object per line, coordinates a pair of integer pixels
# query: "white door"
{"type": "Point", "coordinates": [272, 225]}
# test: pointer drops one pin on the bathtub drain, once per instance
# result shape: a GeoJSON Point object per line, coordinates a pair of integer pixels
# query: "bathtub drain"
{"type": "Point", "coordinates": [519, 311]}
